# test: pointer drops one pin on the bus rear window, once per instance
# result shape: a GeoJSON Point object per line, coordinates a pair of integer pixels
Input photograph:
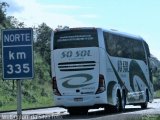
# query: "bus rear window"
{"type": "Point", "coordinates": [76, 39]}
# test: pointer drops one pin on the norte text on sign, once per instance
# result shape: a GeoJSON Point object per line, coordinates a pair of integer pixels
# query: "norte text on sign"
{"type": "Point", "coordinates": [17, 53]}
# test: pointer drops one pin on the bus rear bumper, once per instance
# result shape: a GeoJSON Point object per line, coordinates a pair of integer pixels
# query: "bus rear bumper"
{"type": "Point", "coordinates": [76, 101]}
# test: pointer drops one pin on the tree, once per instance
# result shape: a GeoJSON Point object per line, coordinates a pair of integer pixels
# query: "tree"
{"type": "Point", "coordinates": [3, 6]}
{"type": "Point", "coordinates": [14, 23]}
{"type": "Point", "coordinates": [8, 21]}
{"type": "Point", "coordinates": [42, 43]}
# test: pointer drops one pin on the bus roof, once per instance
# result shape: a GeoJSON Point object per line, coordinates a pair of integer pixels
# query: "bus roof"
{"type": "Point", "coordinates": [112, 31]}
{"type": "Point", "coordinates": [124, 34]}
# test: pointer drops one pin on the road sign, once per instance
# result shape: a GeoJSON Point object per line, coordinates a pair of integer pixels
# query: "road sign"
{"type": "Point", "coordinates": [17, 53]}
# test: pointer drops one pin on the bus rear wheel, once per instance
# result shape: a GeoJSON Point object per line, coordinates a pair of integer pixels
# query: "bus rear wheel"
{"type": "Point", "coordinates": [123, 102]}
{"type": "Point", "coordinates": [117, 107]}
{"type": "Point", "coordinates": [145, 104]}
{"type": "Point", "coordinates": [77, 111]}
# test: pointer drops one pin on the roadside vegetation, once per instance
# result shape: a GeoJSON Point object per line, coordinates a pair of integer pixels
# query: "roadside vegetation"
{"type": "Point", "coordinates": [38, 92]}
{"type": "Point", "coordinates": [150, 117]}
{"type": "Point", "coordinates": [147, 117]}
{"type": "Point", "coordinates": [156, 77]}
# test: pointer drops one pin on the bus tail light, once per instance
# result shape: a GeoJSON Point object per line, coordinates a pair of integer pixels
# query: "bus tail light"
{"type": "Point", "coordinates": [101, 86]}
{"type": "Point", "coordinates": [55, 88]}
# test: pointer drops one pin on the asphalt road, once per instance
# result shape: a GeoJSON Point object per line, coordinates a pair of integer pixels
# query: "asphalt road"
{"type": "Point", "coordinates": [132, 112]}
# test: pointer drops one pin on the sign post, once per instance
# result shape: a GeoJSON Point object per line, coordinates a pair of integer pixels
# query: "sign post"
{"type": "Point", "coordinates": [19, 100]}
{"type": "Point", "coordinates": [17, 58]}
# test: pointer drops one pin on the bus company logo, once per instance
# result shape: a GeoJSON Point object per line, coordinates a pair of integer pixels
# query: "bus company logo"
{"type": "Point", "coordinates": [68, 80]}
{"type": "Point", "coordinates": [79, 53]}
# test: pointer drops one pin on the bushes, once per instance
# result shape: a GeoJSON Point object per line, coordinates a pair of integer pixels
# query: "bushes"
{"type": "Point", "coordinates": [35, 93]}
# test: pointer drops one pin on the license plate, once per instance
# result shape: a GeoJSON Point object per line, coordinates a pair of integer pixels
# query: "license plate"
{"type": "Point", "coordinates": [78, 99]}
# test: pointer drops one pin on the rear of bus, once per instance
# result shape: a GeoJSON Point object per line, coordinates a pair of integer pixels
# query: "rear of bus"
{"type": "Point", "coordinates": [75, 62]}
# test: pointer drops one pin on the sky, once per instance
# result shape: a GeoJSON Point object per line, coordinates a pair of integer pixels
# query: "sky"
{"type": "Point", "coordinates": [138, 17]}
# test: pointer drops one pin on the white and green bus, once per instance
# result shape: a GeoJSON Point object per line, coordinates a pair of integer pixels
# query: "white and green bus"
{"type": "Point", "coordinates": [93, 68]}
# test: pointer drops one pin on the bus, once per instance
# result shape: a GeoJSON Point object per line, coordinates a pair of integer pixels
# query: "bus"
{"type": "Point", "coordinates": [95, 67]}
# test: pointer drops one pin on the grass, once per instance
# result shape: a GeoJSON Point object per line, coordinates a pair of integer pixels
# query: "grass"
{"type": "Point", "coordinates": [157, 94]}
{"type": "Point", "coordinates": [26, 105]}
{"type": "Point", "coordinates": [151, 117]}
{"type": "Point", "coordinates": [40, 101]}
{"type": "Point", "coordinates": [144, 117]}
{"type": "Point", "coordinates": [36, 93]}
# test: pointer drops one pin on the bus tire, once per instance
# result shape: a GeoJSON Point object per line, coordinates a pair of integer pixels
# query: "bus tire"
{"type": "Point", "coordinates": [77, 111]}
{"type": "Point", "coordinates": [118, 103]}
{"type": "Point", "coordinates": [123, 102]}
{"type": "Point", "coordinates": [109, 109]}
{"type": "Point", "coordinates": [145, 104]}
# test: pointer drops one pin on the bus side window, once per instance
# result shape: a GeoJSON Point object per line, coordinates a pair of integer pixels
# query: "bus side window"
{"type": "Point", "coordinates": [138, 50]}
{"type": "Point", "coordinates": [118, 46]}
{"type": "Point", "coordinates": [109, 43]}
{"type": "Point", "coordinates": [147, 49]}
{"type": "Point", "coordinates": [124, 48]}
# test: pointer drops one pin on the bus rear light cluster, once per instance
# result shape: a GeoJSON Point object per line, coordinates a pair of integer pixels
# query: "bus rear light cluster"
{"type": "Point", "coordinates": [55, 88]}
{"type": "Point", "coordinates": [101, 86]}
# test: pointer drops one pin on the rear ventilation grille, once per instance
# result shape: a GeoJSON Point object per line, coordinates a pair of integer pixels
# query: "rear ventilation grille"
{"type": "Point", "coordinates": [76, 66]}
